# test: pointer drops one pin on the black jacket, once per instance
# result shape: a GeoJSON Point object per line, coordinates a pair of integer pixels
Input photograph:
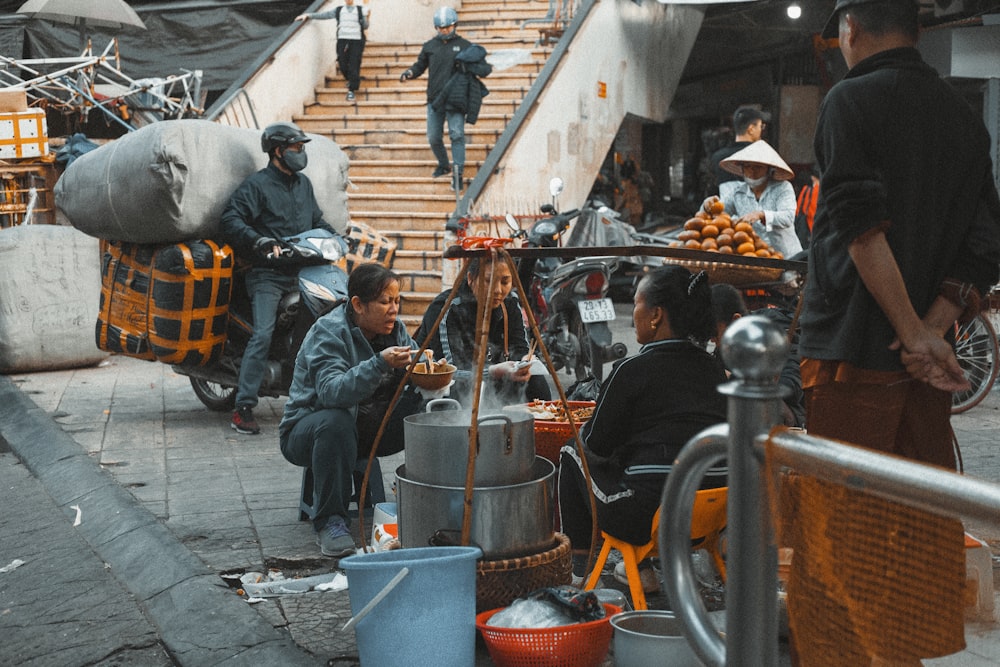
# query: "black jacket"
{"type": "Point", "coordinates": [437, 58]}
{"type": "Point", "coordinates": [464, 92]}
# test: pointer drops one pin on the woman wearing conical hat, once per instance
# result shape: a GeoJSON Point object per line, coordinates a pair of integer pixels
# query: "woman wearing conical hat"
{"type": "Point", "coordinates": [765, 198]}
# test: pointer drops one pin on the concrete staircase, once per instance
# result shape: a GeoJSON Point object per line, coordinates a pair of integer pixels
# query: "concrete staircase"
{"type": "Point", "coordinates": [383, 133]}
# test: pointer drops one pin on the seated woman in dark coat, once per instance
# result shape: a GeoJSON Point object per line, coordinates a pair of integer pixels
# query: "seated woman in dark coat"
{"type": "Point", "coordinates": [455, 339]}
{"type": "Point", "coordinates": [648, 408]}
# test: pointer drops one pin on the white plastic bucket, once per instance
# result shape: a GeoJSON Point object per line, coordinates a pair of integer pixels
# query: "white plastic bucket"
{"type": "Point", "coordinates": [651, 637]}
{"type": "Point", "coordinates": [429, 618]}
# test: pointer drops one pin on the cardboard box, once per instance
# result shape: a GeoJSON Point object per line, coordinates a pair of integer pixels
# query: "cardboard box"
{"type": "Point", "coordinates": [23, 134]}
{"type": "Point", "coordinates": [13, 100]}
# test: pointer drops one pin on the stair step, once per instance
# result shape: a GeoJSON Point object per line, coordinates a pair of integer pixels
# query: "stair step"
{"type": "Point", "coordinates": [323, 123]}
{"type": "Point", "coordinates": [387, 221]}
{"type": "Point", "coordinates": [406, 151]}
{"type": "Point", "coordinates": [402, 168]}
{"type": "Point", "coordinates": [336, 103]}
{"type": "Point", "coordinates": [357, 135]}
{"type": "Point", "coordinates": [413, 186]}
{"type": "Point", "coordinates": [441, 202]}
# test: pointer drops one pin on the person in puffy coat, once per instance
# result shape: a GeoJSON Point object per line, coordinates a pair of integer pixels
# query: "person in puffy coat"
{"type": "Point", "coordinates": [464, 92]}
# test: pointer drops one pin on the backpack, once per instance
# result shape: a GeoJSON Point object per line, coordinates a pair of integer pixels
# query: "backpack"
{"type": "Point", "coordinates": [361, 18]}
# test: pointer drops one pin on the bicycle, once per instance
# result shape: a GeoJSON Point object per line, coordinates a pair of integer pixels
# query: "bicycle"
{"type": "Point", "coordinates": [978, 353]}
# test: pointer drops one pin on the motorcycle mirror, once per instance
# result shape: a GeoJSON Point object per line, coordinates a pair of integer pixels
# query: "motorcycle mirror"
{"type": "Point", "coordinates": [512, 222]}
{"type": "Point", "coordinates": [556, 186]}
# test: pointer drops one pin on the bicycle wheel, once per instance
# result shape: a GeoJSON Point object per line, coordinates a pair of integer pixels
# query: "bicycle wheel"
{"type": "Point", "coordinates": [978, 352]}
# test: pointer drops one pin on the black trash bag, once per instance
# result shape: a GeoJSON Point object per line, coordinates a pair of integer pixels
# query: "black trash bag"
{"type": "Point", "coordinates": [581, 606]}
{"type": "Point", "coordinates": [587, 389]}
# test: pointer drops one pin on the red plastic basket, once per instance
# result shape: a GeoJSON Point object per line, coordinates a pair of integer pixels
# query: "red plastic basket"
{"type": "Point", "coordinates": [550, 435]}
{"type": "Point", "coordinates": [576, 645]}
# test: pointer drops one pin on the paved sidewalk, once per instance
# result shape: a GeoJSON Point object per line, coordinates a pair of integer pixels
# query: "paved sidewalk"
{"type": "Point", "coordinates": [171, 498]}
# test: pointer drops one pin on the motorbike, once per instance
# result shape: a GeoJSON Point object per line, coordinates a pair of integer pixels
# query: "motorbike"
{"type": "Point", "coordinates": [568, 298]}
{"type": "Point", "coordinates": [322, 283]}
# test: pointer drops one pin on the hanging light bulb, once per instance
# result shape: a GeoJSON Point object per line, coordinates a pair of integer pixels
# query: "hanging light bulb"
{"type": "Point", "coordinates": [794, 11]}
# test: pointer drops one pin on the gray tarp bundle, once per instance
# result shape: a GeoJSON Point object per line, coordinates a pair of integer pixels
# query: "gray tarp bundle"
{"type": "Point", "coordinates": [170, 181]}
{"type": "Point", "coordinates": [50, 286]}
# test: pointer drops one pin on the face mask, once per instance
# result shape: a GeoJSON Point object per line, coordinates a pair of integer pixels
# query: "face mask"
{"type": "Point", "coordinates": [755, 182]}
{"type": "Point", "coordinates": [295, 161]}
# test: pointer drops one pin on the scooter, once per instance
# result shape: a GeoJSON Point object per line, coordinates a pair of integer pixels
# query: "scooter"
{"type": "Point", "coordinates": [568, 299]}
{"type": "Point", "coordinates": [322, 287]}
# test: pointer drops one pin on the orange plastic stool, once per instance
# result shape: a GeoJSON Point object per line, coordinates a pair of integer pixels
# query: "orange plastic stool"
{"type": "Point", "coordinates": [708, 519]}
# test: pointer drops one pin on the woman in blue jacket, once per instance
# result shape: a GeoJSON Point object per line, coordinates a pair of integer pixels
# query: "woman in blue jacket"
{"type": "Point", "coordinates": [346, 372]}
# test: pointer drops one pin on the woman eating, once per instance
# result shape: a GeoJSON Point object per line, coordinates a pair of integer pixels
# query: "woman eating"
{"type": "Point", "coordinates": [455, 339]}
{"type": "Point", "coordinates": [346, 372]}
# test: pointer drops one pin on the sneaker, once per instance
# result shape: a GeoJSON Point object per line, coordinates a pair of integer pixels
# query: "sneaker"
{"type": "Point", "coordinates": [456, 183]}
{"type": "Point", "coordinates": [350, 95]}
{"type": "Point", "coordinates": [648, 577]}
{"type": "Point", "coordinates": [335, 539]}
{"type": "Point", "coordinates": [243, 421]}
{"type": "Point", "coordinates": [441, 171]}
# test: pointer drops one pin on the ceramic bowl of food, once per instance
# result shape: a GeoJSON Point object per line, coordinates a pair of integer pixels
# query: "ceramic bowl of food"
{"type": "Point", "coordinates": [432, 375]}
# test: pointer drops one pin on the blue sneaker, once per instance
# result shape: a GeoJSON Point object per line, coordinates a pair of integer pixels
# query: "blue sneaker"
{"type": "Point", "coordinates": [335, 539]}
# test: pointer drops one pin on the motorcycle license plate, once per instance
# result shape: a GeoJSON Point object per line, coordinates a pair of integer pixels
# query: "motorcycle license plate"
{"type": "Point", "coordinates": [596, 310]}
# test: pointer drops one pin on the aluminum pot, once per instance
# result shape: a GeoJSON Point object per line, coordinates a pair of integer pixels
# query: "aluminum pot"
{"type": "Point", "coordinates": [507, 521]}
{"type": "Point", "coordinates": [437, 445]}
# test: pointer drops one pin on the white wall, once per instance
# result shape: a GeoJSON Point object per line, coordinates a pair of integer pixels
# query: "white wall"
{"type": "Point", "coordinates": [637, 53]}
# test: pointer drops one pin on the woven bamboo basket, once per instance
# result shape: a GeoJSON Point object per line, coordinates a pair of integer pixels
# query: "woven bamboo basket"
{"type": "Point", "coordinates": [500, 582]}
{"type": "Point", "coordinates": [737, 275]}
{"type": "Point", "coordinates": [551, 435]}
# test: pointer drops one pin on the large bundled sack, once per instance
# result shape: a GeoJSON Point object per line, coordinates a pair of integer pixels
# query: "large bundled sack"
{"type": "Point", "coordinates": [170, 181]}
{"type": "Point", "coordinates": [165, 302]}
{"type": "Point", "coordinates": [50, 285]}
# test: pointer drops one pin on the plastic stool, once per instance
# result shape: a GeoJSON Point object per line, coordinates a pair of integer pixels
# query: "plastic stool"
{"type": "Point", "coordinates": [375, 492]}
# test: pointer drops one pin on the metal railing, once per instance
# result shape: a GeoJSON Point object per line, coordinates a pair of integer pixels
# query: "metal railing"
{"type": "Point", "coordinates": [756, 349]}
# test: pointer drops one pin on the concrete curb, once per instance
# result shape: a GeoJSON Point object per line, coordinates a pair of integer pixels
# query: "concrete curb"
{"type": "Point", "coordinates": [200, 621]}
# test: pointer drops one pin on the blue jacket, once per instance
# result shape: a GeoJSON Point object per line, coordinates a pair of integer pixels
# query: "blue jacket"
{"type": "Point", "coordinates": [337, 367]}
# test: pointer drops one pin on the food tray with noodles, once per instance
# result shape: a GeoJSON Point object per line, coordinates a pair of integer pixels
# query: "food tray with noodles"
{"type": "Point", "coordinates": [552, 429]}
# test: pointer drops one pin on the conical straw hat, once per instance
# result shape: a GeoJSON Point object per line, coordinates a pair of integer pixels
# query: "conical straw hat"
{"type": "Point", "coordinates": [759, 152]}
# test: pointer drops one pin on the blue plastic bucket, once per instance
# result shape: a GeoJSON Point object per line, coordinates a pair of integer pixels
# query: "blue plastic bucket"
{"type": "Point", "coordinates": [429, 618]}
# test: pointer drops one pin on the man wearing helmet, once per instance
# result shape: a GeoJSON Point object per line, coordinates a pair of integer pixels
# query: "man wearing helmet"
{"type": "Point", "coordinates": [437, 57]}
{"type": "Point", "coordinates": [275, 202]}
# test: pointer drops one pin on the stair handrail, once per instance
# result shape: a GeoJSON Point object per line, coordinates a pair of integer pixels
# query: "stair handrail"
{"type": "Point", "coordinates": [220, 107]}
{"type": "Point", "coordinates": [520, 116]}
{"type": "Point", "coordinates": [236, 108]}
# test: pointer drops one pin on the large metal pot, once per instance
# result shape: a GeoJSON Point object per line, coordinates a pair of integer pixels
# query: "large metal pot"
{"type": "Point", "coordinates": [437, 445]}
{"type": "Point", "coordinates": [507, 521]}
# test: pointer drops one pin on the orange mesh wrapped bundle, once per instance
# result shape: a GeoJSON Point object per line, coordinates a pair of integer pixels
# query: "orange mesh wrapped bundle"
{"type": "Point", "coordinates": [870, 578]}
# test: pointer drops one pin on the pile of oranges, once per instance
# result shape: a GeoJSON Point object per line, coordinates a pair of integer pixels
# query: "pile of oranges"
{"type": "Point", "coordinates": [715, 232]}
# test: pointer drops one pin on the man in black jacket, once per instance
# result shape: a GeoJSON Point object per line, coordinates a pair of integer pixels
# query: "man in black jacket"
{"type": "Point", "coordinates": [437, 57]}
{"type": "Point", "coordinates": [275, 202]}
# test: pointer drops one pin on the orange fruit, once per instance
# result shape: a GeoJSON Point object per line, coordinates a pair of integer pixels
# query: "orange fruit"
{"type": "Point", "coordinates": [741, 237]}
{"type": "Point", "coordinates": [744, 227]}
{"type": "Point", "coordinates": [709, 231]}
{"type": "Point", "coordinates": [776, 255]}
{"type": "Point", "coordinates": [763, 252]}
{"type": "Point", "coordinates": [726, 249]}
{"type": "Point", "coordinates": [722, 222]}
{"type": "Point", "coordinates": [716, 207]}
{"type": "Point", "coordinates": [709, 244]}
{"type": "Point", "coordinates": [693, 244]}
{"type": "Point", "coordinates": [704, 215]}
{"type": "Point", "coordinates": [746, 248]}
{"type": "Point", "coordinates": [760, 244]}
{"type": "Point", "coordinates": [675, 244]}
{"type": "Point", "coordinates": [724, 239]}
{"type": "Point", "coordinates": [694, 224]}
{"type": "Point", "coordinates": [688, 235]}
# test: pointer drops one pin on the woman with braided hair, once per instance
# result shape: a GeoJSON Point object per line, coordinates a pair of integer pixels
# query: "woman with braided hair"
{"type": "Point", "coordinates": [648, 408]}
